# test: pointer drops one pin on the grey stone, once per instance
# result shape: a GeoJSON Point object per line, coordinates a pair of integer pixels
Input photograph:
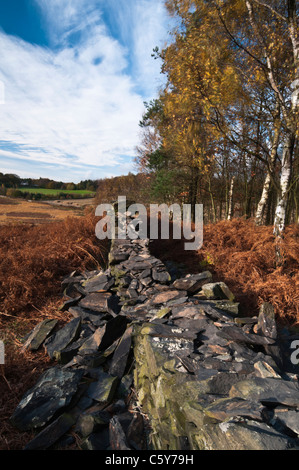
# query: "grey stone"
{"type": "Point", "coordinates": [64, 356]}
{"type": "Point", "coordinates": [186, 311]}
{"type": "Point", "coordinates": [217, 291]}
{"type": "Point", "coordinates": [267, 390]}
{"type": "Point", "coordinates": [232, 308]}
{"type": "Point", "coordinates": [69, 303]}
{"type": "Point", "coordinates": [235, 333]}
{"type": "Point", "coordinates": [99, 283]}
{"type": "Point", "coordinates": [116, 257]}
{"type": "Point", "coordinates": [118, 439]}
{"type": "Point", "coordinates": [193, 283]}
{"type": "Point", "coordinates": [266, 321]}
{"type": "Point", "coordinates": [97, 441]}
{"type": "Point", "coordinates": [208, 308]}
{"type": "Point", "coordinates": [124, 388]}
{"type": "Point", "coordinates": [63, 338]}
{"type": "Point", "coordinates": [73, 278]}
{"type": "Point", "coordinates": [222, 383]}
{"type": "Point", "coordinates": [166, 296]}
{"type": "Point", "coordinates": [121, 354]}
{"type": "Point", "coordinates": [161, 276]}
{"type": "Point", "coordinates": [104, 337]}
{"type": "Point", "coordinates": [167, 331]}
{"type": "Point", "coordinates": [39, 334]}
{"type": "Point", "coordinates": [96, 318]}
{"type": "Point", "coordinates": [52, 433]}
{"type": "Point", "coordinates": [226, 408]}
{"type": "Point", "coordinates": [53, 392]}
{"type": "Point", "coordinates": [91, 422]}
{"type": "Point", "coordinates": [248, 435]}
{"type": "Point", "coordinates": [287, 420]}
{"type": "Point", "coordinates": [103, 390]}
{"type": "Point", "coordinates": [100, 302]}
{"type": "Point", "coordinates": [135, 434]}
{"type": "Point", "coordinates": [264, 369]}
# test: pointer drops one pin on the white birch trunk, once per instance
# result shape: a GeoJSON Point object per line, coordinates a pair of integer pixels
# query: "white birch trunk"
{"type": "Point", "coordinates": [230, 199]}
{"type": "Point", "coordinates": [259, 217]}
{"type": "Point", "coordinates": [286, 164]}
{"type": "Point", "coordinates": [285, 177]}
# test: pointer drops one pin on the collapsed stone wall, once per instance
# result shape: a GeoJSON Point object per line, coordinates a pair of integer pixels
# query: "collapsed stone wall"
{"type": "Point", "coordinates": [148, 342]}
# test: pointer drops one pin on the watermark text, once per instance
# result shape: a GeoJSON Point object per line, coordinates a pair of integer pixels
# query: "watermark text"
{"type": "Point", "coordinates": [113, 218]}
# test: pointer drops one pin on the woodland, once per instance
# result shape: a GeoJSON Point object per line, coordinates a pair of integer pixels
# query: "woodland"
{"type": "Point", "coordinates": [224, 129]}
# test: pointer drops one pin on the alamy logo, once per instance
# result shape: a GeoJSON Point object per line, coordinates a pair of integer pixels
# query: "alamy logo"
{"type": "Point", "coordinates": [137, 227]}
{"type": "Point", "coordinates": [295, 354]}
{"type": "Point", "coordinates": [2, 355]}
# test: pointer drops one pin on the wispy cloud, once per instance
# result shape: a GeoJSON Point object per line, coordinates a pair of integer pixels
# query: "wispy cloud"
{"type": "Point", "coordinates": [79, 102]}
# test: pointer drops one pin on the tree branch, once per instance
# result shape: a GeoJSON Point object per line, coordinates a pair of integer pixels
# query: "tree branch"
{"type": "Point", "coordinates": [276, 13]}
{"type": "Point", "coordinates": [238, 43]}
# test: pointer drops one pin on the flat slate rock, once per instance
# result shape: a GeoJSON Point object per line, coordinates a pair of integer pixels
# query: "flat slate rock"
{"type": "Point", "coordinates": [96, 301]}
{"type": "Point", "coordinates": [186, 311]}
{"type": "Point", "coordinates": [121, 354]}
{"type": "Point", "coordinates": [118, 439]}
{"type": "Point", "coordinates": [92, 421]}
{"type": "Point", "coordinates": [248, 435]}
{"type": "Point", "coordinates": [89, 316]}
{"type": "Point", "coordinates": [217, 291]}
{"type": "Point", "coordinates": [97, 441]}
{"type": "Point", "coordinates": [103, 390]}
{"type": "Point", "coordinates": [104, 336]}
{"type": "Point", "coordinates": [288, 420]}
{"type": "Point", "coordinates": [117, 257]}
{"type": "Point", "coordinates": [192, 283]}
{"type": "Point", "coordinates": [100, 283]}
{"type": "Point", "coordinates": [266, 321]}
{"type": "Point", "coordinates": [101, 302]}
{"type": "Point", "coordinates": [227, 408]}
{"type": "Point", "coordinates": [166, 296]}
{"type": "Point", "coordinates": [209, 308]}
{"type": "Point", "coordinates": [161, 276]}
{"type": "Point", "coordinates": [167, 331]}
{"type": "Point", "coordinates": [53, 391]}
{"type": "Point", "coordinates": [39, 334]}
{"type": "Point", "coordinates": [52, 433]}
{"type": "Point", "coordinates": [70, 303]}
{"type": "Point", "coordinates": [236, 333]}
{"type": "Point", "coordinates": [63, 338]}
{"type": "Point", "coordinates": [267, 390]}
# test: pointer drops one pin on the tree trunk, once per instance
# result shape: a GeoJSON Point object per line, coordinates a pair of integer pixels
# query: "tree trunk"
{"type": "Point", "coordinates": [230, 199]}
{"type": "Point", "coordinates": [261, 208]}
{"type": "Point", "coordinates": [212, 200]}
{"type": "Point", "coordinates": [281, 208]}
{"type": "Point", "coordinates": [286, 164]}
{"type": "Point", "coordinates": [259, 216]}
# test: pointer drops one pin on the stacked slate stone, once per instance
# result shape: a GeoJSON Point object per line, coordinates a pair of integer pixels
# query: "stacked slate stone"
{"type": "Point", "coordinates": [206, 377]}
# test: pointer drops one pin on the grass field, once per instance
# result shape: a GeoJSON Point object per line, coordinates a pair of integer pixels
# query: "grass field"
{"type": "Point", "coordinates": [21, 211]}
{"type": "Point", "coordinates": [54, 192]}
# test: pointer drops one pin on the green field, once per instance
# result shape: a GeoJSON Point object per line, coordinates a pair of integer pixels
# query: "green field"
{"type": "Point", "coordinates": [54, 192]}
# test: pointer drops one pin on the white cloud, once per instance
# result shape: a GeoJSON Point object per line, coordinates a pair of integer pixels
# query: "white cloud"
{"type": "Point", "coordinates": [65, 104]}
{"type": "Point", "coordinates": [75, 106]}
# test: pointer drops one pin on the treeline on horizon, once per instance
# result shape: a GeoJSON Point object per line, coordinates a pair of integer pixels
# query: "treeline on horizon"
{"type": "Point", "coordinates": [13, 186]}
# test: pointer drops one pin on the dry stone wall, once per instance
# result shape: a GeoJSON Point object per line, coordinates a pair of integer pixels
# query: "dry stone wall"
{"type": "Point", "coordinates": [152, 360]}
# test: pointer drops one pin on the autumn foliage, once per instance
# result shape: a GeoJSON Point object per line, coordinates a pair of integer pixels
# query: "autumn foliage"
{"type": "Point", "coordinates": [34, 260]}
{"type": "Point", "coordinates": [243, 255]}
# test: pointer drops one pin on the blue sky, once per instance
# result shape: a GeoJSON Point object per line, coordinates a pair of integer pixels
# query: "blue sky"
{"type": "Point", "coordinates": [73, 78]}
